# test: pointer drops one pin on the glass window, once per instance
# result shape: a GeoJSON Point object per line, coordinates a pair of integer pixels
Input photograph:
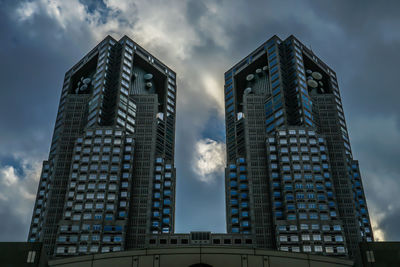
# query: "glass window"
{"type": "Point", "coordinates": [318, 248]}
{"type": "Point", "coordinates": [304, 226]}
{"type": "Point", "coordinates": [337, 227]}
{"type": "Point", "coordinates": [340, 250]}
{"type": "Point", "coordinates": [329, 249]}
{"type": "Point", "coordinates": [339, 238]}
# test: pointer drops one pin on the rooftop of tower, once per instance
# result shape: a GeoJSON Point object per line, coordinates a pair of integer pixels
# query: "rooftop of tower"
{"type": "Point", "coordinates": [263, 48]}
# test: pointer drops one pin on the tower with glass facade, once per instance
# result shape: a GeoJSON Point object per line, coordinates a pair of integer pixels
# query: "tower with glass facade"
{"type": "Point", "coordinates": [291, 180]}
{"type": "Point", "coordinates": [110, 179]}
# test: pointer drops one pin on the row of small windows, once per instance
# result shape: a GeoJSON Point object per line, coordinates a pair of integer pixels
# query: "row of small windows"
{"type": "Point", "coordinates": [99, 195]}
{"type": "Point", "coordinates": [318, 186]}
{"type": "Point", "coordinates": [157, 195]}
{"type": "Point", "coordinates": [214, 241]}
{"type": "Point", "coordinates": [296, 132]}
{"type": "Point", "coordinates": [90, 216]}
{"type": "Point", "coordinates": [101, 176]}
{"type": "Point", "coordinates": [126, 157]}
{"type": "Point", "coordinates": [317, 248]}
{"type": "Point", "coordinates": [295, 157]}
{"type": "Point", "coordinates": [74, 238]}
{"type": "Point", "coordinates": [167, 175]}
{"type": "Point", "coordinates": [305, 216]}
{"type": "Point", "coordinates": [103, 167]}
{"type": "Point", "coordinates": [300, 176]}
{"type": "Point", "coordinates": [295, 140]}
{"type": "Point", "coordinates": [97, 205]}
{"type": "Point", "coordinates": [290, 196]}
{"type": "Point", "coordinates": [296, 149]}
{"type": "Point", "coordinates": [301, 206]}
{"type": "Point", "coordinates": [116, 141]}
{"type": "Point", "coordinates": [325, 227]}
{"type": "Point", "coordinates": [297, 167]}
{"type": "Point", "coordinates": [89, 227]}
{"type": "Point", "coordinates": [83, 187]}
{"type": "Point", "coordinates": [104, 149]}
{"type": "Point", "coordinates": [307, 237]}
{"type": "Point", "coordinates": [84, 249]}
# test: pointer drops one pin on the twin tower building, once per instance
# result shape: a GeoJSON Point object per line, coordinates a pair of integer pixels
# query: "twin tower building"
{"type": "Point", "coordinates": [291, 181]}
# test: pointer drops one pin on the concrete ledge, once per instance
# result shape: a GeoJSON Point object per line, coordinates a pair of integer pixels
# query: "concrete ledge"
{"type": "Point", "coordinates": [215, 256]}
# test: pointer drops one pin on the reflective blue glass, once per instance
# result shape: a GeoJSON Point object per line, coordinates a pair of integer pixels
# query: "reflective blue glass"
{"type": "Point", "coordinates": [269, 120]}
{"type": "Point", "coordinates": [230, 101]}
{"type": "Point", "coordinates": [228, 88]}
{"type": "Point", "coordinates": [271, 49]}
{"type": "Point", "coordinates": [270, 128]}
{"type": "Point", "coordinates": [273, 70]}
{"type": "Point", "coordinates": [276, 90]}
{"type": "Point", "coordinates": [275, 84]}
{"type": "Point", "coordinates": [278, 105]}
{"type": "Point", "coordinates": [280, 121]}
{"type": "Point", "coordinates": [275, 76]}
{"type": "Point", "coordinates": [277, 98]}
{"type": "Point", "coordinates": [272, 56]}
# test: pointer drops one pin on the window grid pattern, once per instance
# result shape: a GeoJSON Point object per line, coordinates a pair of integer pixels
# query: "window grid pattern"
{"type": "Point", "coordinates": [303, 196]}
{"type": "Point", "coordinates": [96, 205]}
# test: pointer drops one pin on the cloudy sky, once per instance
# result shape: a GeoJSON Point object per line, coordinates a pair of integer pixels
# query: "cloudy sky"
{"type": "Point", "coordinates": [200, 40]}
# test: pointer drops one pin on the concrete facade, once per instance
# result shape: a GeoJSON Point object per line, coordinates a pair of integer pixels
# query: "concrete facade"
{"type": "Point", "coordinates": [201, 256]}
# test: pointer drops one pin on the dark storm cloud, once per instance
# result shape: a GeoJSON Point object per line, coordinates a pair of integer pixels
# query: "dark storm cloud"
{"type": "Point", "coordinates": [33, 60]}
{"type": "Point", "coordinates": [368, 74]}
{"type": "Point", "coordinates": [358, 39]}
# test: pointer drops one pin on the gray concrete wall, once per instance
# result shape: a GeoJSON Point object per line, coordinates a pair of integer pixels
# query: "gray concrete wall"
{"type": "Point", "coordinates": [214, 256]}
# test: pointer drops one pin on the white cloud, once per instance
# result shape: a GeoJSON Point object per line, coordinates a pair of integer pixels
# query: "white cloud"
{"type": "Point", "coordinates": [26, 10]}
{"type": "Point", "coordinates": [209, 160]}
{"type": "Point", "coordinates": [18, 187]}
{"type": "Point", "coordinates": [213, 87]}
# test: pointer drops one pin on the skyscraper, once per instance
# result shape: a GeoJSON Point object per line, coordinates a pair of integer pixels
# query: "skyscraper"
{"type": "Point", "coordinates": [291, 180]}
{"type": "Point", "coordinates": [110, 177]}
